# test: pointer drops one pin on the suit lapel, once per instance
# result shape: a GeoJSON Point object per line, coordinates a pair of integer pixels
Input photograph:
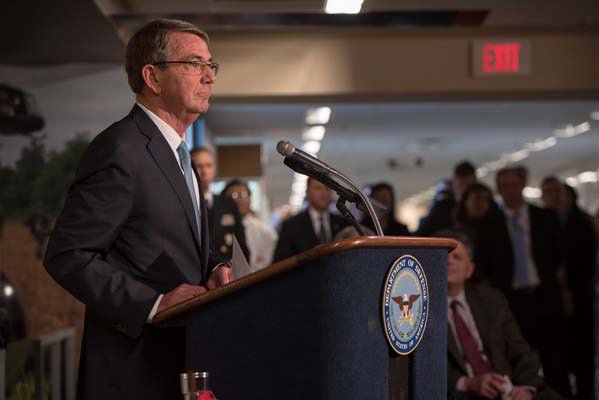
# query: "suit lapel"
{"type": "Point", "coordinates": [482, 318]}
{"type": "Point", "coordinates": [534, 221]}
{"type": "Point", "coordinates": [453, 350]}
{"type": "Point", "coordinates": [309, 229]}
{"type": "Point", "coordinates": [205, 227]}
{"type": "Point", "coordinates": [164, 157]}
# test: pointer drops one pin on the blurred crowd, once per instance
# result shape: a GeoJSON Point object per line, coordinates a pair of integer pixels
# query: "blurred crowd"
{"type": "Point", "coordinates": [540, 258]}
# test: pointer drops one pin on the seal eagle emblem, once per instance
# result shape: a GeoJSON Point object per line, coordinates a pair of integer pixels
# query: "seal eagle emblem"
{"type": "Point", "coordinates": [405, 304]}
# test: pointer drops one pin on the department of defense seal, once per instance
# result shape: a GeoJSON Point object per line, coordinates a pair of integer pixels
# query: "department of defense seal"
{"type": "Point", "coordinates": [405, 304]}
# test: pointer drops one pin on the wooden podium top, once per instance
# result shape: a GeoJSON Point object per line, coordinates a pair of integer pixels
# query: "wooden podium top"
{"type": "Point", "coordinates": [299, 260]}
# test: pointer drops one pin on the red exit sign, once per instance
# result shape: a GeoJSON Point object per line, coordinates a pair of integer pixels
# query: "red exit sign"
{"type": "Point", "coordinates": [491, 58]}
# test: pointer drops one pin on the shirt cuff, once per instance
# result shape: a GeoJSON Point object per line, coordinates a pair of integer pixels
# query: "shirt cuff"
{"type": "Point", "coordinates": [154, 309]}
{"type": "Point", "coordinates": [225, 264]}
{"type": "Point", "coordinates": [460, 385]}
{"type": "Point", "coordinates": [531, 389]}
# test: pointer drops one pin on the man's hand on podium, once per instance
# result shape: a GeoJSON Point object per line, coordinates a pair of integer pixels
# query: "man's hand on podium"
{"type": "Point", "coordinates": [221, 275]}
{"type": "Point", "coordinates": [180, 293]}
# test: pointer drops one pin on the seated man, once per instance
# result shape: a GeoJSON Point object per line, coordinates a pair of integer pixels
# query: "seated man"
{"type": "Point", "coordinates": [487, 356]}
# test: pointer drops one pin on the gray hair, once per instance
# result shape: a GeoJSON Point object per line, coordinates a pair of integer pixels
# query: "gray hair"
{"type": "Point", "coordinates": [150, 45]}
{"type": "Point", "coordinates": [457, 235]}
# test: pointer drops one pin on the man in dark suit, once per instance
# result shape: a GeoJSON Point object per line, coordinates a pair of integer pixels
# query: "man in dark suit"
{"type": "Point", "coordinates": [314, 226]}
{"type": "Point", "coordinates": [224, 218]}
{"type": "Point", "coordinates": [486, 354]}
{"type": "Point", "coordinates": [448, 196]}
{"type": "Point", "coordinates": [132, 238]}
{"type": "Point", "coordinates": [532, 258]}
{"type": "Point", "coordinates": [579, 248]}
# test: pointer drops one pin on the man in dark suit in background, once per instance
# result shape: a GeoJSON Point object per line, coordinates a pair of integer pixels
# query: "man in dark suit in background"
{"type": "Point", "coordinates": [579, 248]}
{"type": "Point", "coordinates": [313, 226]}
{"type": "Point", "coordinates": [529, 276]}
{"type": "Point", "coordinates": [486, 353]}
{"type": "Point", "coordinates": [447, 198]}
{"type": "Point", "coordinates": [132, 238]}
{"type": "Point", "coordinates": [224, 218]}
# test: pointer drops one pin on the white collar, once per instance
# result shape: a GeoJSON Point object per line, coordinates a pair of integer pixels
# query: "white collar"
{"type": "Point", "coordinates": [461, 298]}
{"type": "Point", "coordinates": [315, 215]}
{"type": "Point", "coordinates": [522, 211]}
{"type": "Point", "coordinates": [171, 136]}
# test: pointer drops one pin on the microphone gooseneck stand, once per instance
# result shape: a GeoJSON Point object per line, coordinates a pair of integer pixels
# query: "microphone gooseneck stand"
{"type": "Point", "coordinates": [365, 201]}
{"type": "Point", "coordinates": [331, 178]}
{"type": "Point", "coordinates": [348, 215]}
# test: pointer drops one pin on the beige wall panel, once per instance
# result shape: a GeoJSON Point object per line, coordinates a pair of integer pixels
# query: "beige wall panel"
{"type": "Point", "coordinates": [390, 64]}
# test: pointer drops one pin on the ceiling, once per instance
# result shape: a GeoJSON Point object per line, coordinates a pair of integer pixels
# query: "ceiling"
{"type": "Point", "coordinates": [413, 145]}
{"type": "Point", "coordinates": [76, 31]}
{"type": "Point", "coordinates": [73, 50]}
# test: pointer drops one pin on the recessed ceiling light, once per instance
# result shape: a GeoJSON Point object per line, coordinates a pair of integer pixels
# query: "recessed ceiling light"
{"type": "Point", "coordinates": [311, 147]}
{"type": "Point", "coordinates": [531, 192]}
{"type": "Point", "coordinates": [298, 187]}
{"type": "Point", "coordinates": [300, 177]}
{"type": "Point", "coordinates": [318, 116]}
{"type": "Point", "coordinates": [570, 130]}
{"type": "Point", "coordinates": [515, 156]}
{"type": "Point", "coordinates": [541, 144]}
{"type": "Point", "coordinates": [495, 165]}
{"type": "Point", "coordinates": [314, 133]}
{"type": "Point", "coordinates": [587, 177]}
{"type": "Point", "coordinates": [481, 172]}
{"type": "Point", "coordinates": [343, 6]}
{"type": "Point", "coordinates": [572, 181]}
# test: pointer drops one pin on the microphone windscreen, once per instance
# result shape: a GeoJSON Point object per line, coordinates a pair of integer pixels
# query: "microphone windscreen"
{"type": "Point", "coordinates": [285, 148]}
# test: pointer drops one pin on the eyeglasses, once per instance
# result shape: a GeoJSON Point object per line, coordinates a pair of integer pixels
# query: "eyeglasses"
{"type": "Point", "coordinates": [193, 67]}
{"type": "Point", "coordinates": [240, 195]}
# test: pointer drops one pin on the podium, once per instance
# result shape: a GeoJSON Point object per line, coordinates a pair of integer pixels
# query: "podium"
{"type": "Point", "coordinates": [311, 327]}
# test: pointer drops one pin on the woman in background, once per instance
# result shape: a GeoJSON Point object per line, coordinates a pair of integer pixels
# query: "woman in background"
{"type": "Point", "coordinates": [383, 193]}
{"type": "Point", "coordinates": [479, 217]}
{"type": "Point", "coordinates": [261, 238]}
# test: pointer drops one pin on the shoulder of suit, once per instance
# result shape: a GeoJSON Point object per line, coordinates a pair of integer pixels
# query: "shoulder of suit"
{"type": "Point", "coordinates": [292, 221]}
{"type": "Point", "coordinates": [338, 219]}
{"type": "Point", "coordinates": [484, 292]}
{"type": "Point", "coordinates": [120, 135]}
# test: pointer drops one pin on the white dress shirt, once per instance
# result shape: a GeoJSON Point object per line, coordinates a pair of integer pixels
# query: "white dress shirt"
{"type": "Point", "coordinates": [174, 141]}
{"type": "Point", "coordinates": [315, 217]}
{"type": "Point", "coordinates": [524, 220]}
{"type": "Point", "coordinates": [261, 240]}
{"type": "Point", "coordinates": [466, 314]}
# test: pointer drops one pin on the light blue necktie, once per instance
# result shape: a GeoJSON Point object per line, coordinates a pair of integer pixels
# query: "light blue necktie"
{"type": "Point", "coordinates": [520, 252]}
{"type": "Point", "coordinates": [187, 171]}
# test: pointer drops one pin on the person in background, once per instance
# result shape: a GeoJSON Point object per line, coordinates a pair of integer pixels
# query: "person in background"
{"type": "Point", "coordinates": [316, 225]}
{"type": "Point", "coordinates": [440, 215]}
{"type": "Point", "coordinates": [476, 214]}
{"type": "Point", "coordinates": [261, 238]}
{"type": "Point", "coordinates": [383, 193]}
{"type": "Point", "coordinates": [224, 218]}
{"type": "Point", "coordinates": [529, 277]}
{"type": "Point", "coordinates": [487, 357]}
{"type": "Point", "coordinates": [579, 249]}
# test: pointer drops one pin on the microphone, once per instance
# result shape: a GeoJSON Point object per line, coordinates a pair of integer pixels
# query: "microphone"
{"type": "Point", "coordinates": [306, 164]}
